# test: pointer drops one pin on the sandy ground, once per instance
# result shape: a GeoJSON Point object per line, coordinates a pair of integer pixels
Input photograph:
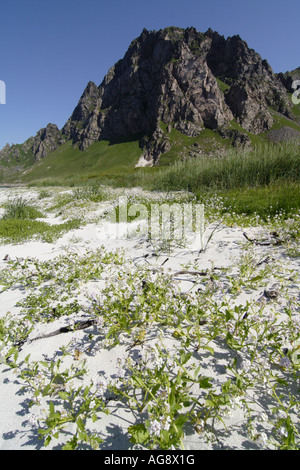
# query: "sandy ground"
{"type": "Point", "coordinates": [224, 249]}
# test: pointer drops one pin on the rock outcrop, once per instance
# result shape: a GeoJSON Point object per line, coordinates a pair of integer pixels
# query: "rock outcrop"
{"type": "Point", "coordinates": [45, 141]}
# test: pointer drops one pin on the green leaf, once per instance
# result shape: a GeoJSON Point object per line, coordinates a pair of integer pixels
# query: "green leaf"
{"type": "Point", "coordinates": [210, 349]}
{"type": "Point", "coordinates": [139, 433]}
{"type": "Point", "coordinates": [184, 357]}
{"type": "Point", "coordinates": [71, 445]}
{"type": "Point", "coordinates": [180, 421]}
{"type": "Point", "coordinates": [80, 424]}
{"type": "Point", "coordinates": [209, 403]}
{"type": "Point", "coordinates": [63, 395]}
{"type": "Point", "coordinates": [138, 381]}
{"type": "Point", "coordinates": [51, 408]}
{"type": "Point", "coordinates": [47, 441]}
{"type": "Point", "coordinates": [256, 278]}
{"type": "Point", "coordinates": [205, 382]}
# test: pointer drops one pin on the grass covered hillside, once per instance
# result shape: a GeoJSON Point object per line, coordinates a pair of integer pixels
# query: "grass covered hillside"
{"type": "Point", "coordinates": [68, 164]}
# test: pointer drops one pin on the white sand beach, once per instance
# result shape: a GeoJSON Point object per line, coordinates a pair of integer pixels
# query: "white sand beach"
{"type": "Point", "coordinates": [185, 267]}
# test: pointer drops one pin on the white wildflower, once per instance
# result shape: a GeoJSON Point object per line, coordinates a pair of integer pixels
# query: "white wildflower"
{"type": "Point", "coordinates": [285, 362]}
{"type": "Point", "coordinates": [166, 422]}
{"type": "Point", "coordinates": [230, 327]}
{"type": "Point", "coordinates": [34, 420]}
{"type": "Point", "coordinates": [155, 428]}
{"type": "Point", "coordinates": [101, 386]}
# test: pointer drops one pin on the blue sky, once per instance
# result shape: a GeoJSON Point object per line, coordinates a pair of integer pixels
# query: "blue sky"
{"type": "Point", "coordinates": [49, 50]}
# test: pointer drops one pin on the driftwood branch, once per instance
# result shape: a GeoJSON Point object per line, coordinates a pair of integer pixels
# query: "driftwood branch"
{"type": "Point", "coordinates": [192, 273]}
{"type": "Point", "coordinates": [79, 325]}
{"type": "Point", "coordinates": [275, 242]}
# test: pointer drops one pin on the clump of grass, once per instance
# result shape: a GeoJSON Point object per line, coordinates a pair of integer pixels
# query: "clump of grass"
{"type": "Point", "coordinates": [19, 208]}
{"type": "Point", "coordinates": [44, 193]}
{"type": "Point", "coordinates": [92, 192]}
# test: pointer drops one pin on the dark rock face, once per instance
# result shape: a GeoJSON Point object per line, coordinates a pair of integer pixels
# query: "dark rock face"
{"type": "Point", "coordinates": [253, 85]}
{"type": "Point", "coordinates": [82, 126]}
{"type": "Point", "coordinates": [171, 76]}
{"type": "Point", "coordinates": [162, 77]}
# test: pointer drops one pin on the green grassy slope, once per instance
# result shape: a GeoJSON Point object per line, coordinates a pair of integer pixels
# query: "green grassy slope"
{"type": "Point", "coordinates": [100, 160]}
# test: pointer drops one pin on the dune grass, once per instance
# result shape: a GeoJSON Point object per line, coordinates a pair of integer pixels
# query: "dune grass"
{"type": "Point", "coordinates": [264, 180]}
{"type": "Point", "coordinates": [19, 223]}
{"type": "Point", "coordinates": [237, 169]}
{"type": "Point", "coordinates": [19, 208]}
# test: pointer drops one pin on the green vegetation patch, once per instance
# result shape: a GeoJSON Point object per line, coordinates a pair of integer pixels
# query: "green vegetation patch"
{"type": "Point", "coordinates": [18, 208]}
{"type": "Point", "coordinates": [19, 223]}
{"type": "Point", "coordinates": [266, 201]}
{"type": "Point", "coordinates": [20, 230]}
{"type": "Point", "coordinates": [236, 169]}
{"type": "Point", "coordinates": [224, 87]}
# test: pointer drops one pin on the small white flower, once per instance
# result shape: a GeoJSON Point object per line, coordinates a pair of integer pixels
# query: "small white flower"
{"type": "Point", "coordinates": [285, 362]}
{"type": "Point", "coordinates": [158, 362]}
{"type": "Point", "coordinates": [230, 327]}
{"type": "Point", "coordinates": [34, 420]}
{"type": "Point", "coordinates": [166, 422]}
{"type": "Point", "coordinates": [155, 428]}
{"type": "Point", "coordinates": [92, 404]}
{"type": "Point", "coordinates": [36, 400]}
{"type": "Point", "coordinates": [101, 385]}
{"type": "Point", "coordinates": [54, 431]}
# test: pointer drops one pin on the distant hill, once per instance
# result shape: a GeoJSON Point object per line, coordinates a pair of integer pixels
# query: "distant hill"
{"type": "Point", "coordinates": [177, 93]}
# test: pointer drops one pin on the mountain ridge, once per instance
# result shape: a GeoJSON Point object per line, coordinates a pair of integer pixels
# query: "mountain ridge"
{"type": "Point", "coordinates": [181, 78]}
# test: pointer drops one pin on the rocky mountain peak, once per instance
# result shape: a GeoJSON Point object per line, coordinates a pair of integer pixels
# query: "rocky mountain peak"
{"type": "Point", "coordinates": [182, 78]}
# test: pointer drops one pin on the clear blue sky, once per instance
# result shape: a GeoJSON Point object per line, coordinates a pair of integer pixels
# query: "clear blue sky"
{"type": "Point", "coordinates": [50, 49]}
